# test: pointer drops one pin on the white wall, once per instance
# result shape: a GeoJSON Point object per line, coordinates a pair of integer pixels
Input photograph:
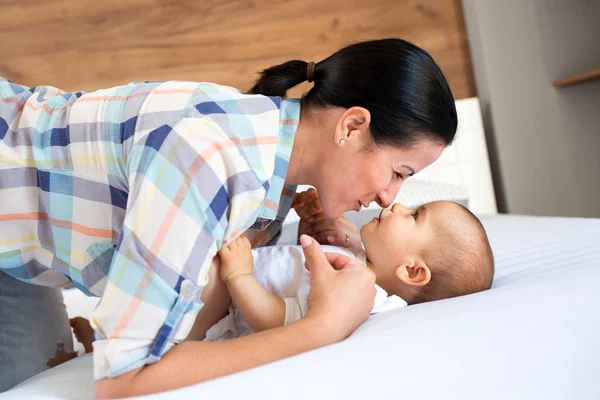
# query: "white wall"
{"type": "Point", "coordinates": [544, 142]}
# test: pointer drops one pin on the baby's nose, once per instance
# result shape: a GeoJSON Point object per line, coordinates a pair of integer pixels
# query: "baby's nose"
{"type": "Point", "coordinates": [399, 208]}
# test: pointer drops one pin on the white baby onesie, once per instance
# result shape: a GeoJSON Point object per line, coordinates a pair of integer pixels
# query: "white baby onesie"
{"type": "Point", "coordinates": [280, 269]}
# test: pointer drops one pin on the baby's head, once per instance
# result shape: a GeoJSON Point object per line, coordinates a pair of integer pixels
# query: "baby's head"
{"type": "Point", "coordinates": [437, 251]}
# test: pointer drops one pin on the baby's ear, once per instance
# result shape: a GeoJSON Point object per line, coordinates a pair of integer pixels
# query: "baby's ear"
{"type": "Point", "coordinates": [414, 273]}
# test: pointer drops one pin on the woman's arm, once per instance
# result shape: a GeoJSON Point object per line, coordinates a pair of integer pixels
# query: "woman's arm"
{"type": "Point", "coordinates": [194, 362]}
{"type": "Point", "coordinates": [340, 287]}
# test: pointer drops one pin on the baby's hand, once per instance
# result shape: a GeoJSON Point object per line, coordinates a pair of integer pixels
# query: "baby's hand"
{"type": "Point", "coordinates": [236, 259]}
{"type": "Point", "coordinates": [307, 204]}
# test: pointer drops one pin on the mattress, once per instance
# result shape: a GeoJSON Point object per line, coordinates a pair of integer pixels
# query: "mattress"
{"type": "Point", "coordinates": [534, 335]}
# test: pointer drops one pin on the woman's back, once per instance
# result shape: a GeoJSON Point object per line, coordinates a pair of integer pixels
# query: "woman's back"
{"type": "Point", "coordinates": [68, 159]}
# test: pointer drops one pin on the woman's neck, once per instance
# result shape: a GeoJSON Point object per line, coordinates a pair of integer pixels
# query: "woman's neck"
{"type": "Point", "coordinates": [302, 167]}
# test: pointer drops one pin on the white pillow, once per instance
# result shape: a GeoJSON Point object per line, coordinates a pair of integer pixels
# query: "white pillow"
{"type": "Point", "coordinates": [416, 192]}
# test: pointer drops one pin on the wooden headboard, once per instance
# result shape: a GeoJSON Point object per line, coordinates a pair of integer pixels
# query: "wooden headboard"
{"type": "Point", "coordinates": [90, 44]}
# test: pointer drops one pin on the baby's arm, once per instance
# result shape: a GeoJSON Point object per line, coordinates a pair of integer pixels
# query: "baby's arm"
{"type": "Point", "coordinates": [216, 299]}
{"type": "Point", "coordinates": [261, 309]}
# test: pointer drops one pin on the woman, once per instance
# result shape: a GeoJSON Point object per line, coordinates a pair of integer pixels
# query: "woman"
{"type": "Point", "coordinates": [129, 192]}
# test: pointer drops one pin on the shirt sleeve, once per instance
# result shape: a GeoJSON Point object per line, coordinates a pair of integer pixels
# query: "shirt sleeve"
{"type": "Point", "coordinates": [189, 189]}
{"type": "Point", "coordinates": [271, 234]}
{"type": "Point", "coordinates": [267, 237]}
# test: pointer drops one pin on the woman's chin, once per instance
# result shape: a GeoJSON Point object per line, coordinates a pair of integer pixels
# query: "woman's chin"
{"type": "Point", "coordinates": [332, 213]}
{"type": "Point", "coordinates": [335, 215]}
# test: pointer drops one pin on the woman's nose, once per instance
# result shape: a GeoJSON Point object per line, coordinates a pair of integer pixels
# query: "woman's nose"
{"type": "Point", "coordinates": [387, 196]}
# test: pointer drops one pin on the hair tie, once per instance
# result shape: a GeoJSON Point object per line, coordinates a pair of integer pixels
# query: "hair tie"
{"type": "Point", "coordinates": [310, 71]}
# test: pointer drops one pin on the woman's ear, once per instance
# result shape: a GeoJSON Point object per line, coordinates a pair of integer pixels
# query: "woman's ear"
{"type": "Point", "coordinates": [414, 273]}
{"type": "Point", "coordinates": [353, 124]}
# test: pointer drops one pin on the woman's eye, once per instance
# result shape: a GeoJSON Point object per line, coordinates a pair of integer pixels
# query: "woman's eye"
{"type": "Point", "coordinates": [399, 175]}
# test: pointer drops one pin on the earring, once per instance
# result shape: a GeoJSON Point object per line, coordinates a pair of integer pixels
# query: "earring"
{"type": "Point", "coordinates": [342, 141]}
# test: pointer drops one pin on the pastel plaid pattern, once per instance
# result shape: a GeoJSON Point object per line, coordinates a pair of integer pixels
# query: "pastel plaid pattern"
{"type": "Point", "coordinates": [129, 192]}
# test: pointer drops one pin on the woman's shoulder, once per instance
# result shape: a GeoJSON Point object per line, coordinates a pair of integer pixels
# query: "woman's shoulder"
{"type": "Point", "coordinates": [211, 99]}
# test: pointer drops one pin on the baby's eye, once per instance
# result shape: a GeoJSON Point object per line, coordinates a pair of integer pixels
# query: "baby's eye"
{"type": "Point", "coordinates": [399, 175]}
{"type": "Point", "coordinates": [415, 215]}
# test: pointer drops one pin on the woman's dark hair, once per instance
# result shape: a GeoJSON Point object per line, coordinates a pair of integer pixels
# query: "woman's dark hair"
{"type": "Point", "coordinates": [399, 83]}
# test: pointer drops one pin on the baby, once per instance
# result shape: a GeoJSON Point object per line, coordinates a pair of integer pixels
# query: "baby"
{"type": "Point", "coordinates": [437, 251]}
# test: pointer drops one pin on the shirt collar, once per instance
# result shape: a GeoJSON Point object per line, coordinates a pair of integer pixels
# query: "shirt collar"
{"type": "Point", "coordinates": [289, 117]}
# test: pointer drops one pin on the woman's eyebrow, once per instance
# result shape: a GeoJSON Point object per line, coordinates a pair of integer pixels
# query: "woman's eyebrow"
{"type": "Point", "coordinates": [411, 169]}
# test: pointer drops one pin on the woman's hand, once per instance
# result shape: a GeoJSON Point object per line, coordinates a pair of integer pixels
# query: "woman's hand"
{"type": "Point", "coordinates": [313, 222]}
{"type": "Point", "coordinates": [307, 204]}
{"type": "Point", "coordinates": [342, 291]}
{"type": "Point", "coordinates": [336, 232]}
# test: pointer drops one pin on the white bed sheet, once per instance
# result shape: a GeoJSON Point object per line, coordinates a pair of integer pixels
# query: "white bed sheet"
{"type": "Point", "coordinates": [535, 335]}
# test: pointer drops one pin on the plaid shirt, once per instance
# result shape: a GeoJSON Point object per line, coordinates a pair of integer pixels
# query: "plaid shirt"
{"type": "Point", "coordinates": [128, 193]}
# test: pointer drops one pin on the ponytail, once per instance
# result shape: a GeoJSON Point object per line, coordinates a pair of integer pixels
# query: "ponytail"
{"type": "Point", "coordinates": [277, 80]}
{"type": "Point", "coordinates": [399, 83]}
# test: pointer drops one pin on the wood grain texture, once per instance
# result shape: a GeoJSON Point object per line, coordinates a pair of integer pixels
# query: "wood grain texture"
{"type": "Point", "coordinates": [90, 44]}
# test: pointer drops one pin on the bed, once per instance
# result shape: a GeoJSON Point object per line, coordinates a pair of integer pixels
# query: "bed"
{"type": "Point", "coordinates": [534, 335]}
